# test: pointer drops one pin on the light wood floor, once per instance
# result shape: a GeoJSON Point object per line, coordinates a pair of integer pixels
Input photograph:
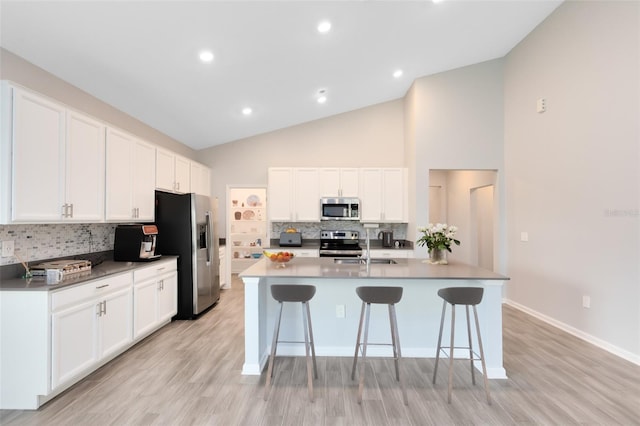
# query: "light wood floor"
{"type": "Point", "coordinates": [189, 373]}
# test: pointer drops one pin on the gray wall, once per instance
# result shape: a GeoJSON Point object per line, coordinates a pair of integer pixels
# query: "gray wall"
{"type": "Point", "coordinates": [573, 179]}
{"type": "Point", "coordinates": [18, 70]}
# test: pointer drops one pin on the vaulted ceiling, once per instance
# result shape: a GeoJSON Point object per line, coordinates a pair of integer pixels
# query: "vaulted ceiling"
{"type": "Point", "coordinates": [142, 57]}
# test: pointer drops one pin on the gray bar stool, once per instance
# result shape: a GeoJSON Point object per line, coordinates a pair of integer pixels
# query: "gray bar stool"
{"type": "Point", "coordinates": [378, 295]}
{"type": "Point", "coordinates": [301, 294]}
{"type": "Point", "coordinates": [467, 296]}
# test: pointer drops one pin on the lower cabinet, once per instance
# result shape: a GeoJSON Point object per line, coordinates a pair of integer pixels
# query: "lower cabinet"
{"type": "Point", "coordinates": [88, 324]}
{"type": "Point", "coordinates": [155, 294]}
{"type": "Point", "coordinates": [53, 339]}
{"type": "Point", "coordinates": [299, 252]}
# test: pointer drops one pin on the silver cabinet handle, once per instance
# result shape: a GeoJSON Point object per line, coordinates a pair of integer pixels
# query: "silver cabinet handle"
{"type": "Point", "coordinates": [104, 309]}
{"type": "Point", "coordinates": [99, 309]}
{"type": "Point", "coordinates": [71, 208]}
{"type": "Point", "coordinates": [102, 286]}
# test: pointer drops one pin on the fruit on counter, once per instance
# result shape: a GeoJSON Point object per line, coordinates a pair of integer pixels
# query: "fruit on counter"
{"type": "Point", "coordinates": [281, 256]}
{"type": "Point", "coordinates": [291, 230]}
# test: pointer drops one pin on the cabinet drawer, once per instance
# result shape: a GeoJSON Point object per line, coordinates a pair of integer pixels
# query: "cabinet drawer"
{"type": "Point", "coordinates": [152, 271]}
{"type": "Point", "coordinates": [92, 289]}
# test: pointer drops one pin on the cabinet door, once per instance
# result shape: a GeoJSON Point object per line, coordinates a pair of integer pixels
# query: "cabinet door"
{"type": "Point", "coordinates": [74, 341]}
{"type": "Point", "coordinates": [306, 196]}
{"type": "Point", "coordinates": [183, 173]}
{"type": "Point", "coordinates": [371, 195]}
{"type": "Point", "coordinates": [38, 159]}
{"type": "Point", "coordinates": [84, 174]}
{"type": "Point", "coordinates": [350, 182]}
{"type": "Point", "coordinates": [165, 170]}
{"type": "Point", "coordinates": [119, 164]}
{"type": "Point", "coordinates": [393, 195]}
{"type": "Point", "coordinates": [116, 322]}
{"type": "Point", "coordinates": [280, 194]}
{"type": "Point", "coordinates": [167, 297]}
{"type": "Point", "coordinates": [144, 173]}
{"type": "Point", "coordinates": [329, 182]}
{"type": "Point", "coordinates": [145, 295]}
{"type": "Point", "coordinates": [200, 179]}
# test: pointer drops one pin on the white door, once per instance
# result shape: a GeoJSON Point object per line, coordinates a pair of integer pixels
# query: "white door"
{"type": "Point", "coordinates": [119, 164]}
{"type": "Point", "coordinates": [38, 158]}
{"type": "Point", "coordinates": [307, 198]}
{"type": "Point", "coordinates": [145, 313]}
{"type": "Point", "coordinates": [280, 194]}
{"type": "Point", "coordinates": [168, 297]}
{"type": "Point", "coordinates": [350, 182]}
{"type": "Point", "coordinates": [183, 175]}
{"type": "Point", "coordinates": [143, 173]}
{"type": "Point", "coordinates": [393, 195]}
{"type": "Point", "coordinates": [165, 170]}
{"type": "Point", "coordinates": [74, 344]}
{"type": "Point", "coordinates": [84, 177]}
{"type": "Point", "coordinates": [116, 322]}
{"type": "Point", "coordinates": [371, 195]}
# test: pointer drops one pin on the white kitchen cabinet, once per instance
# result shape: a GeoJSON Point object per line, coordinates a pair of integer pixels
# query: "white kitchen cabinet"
{"type": "Point", "coordinates": [89, 323]}
{"type": "Point", "coordinates": [200, 179]}
{"type": "Point", "coordinates": [302, 252]}
{"type": "Point", "coordinates": [306, 198]}
{"type": "Point", "coordinates": [155, 293]}
{"type": "Point", "coordinates": [389, 254]}
{"type": "Point", "coordinates": [173, 172]}
{"type": "Point", "coordinates": [383, 195]}
{"type": "Point", "coordinates": [130, 178]}
{"type": "Point", "coordinates": [294, 194]}
{"type": "Point", "coordinates": [339, 182]}
{"type": "Point", "coordinates": [54, 159]}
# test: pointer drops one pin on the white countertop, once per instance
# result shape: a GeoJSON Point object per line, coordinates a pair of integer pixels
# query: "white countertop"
{"type": "Point", "coordinates": [324, 267]}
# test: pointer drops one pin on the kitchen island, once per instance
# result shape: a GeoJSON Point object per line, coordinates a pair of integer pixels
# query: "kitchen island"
{"type": "Point", "coordinates": [335, 308]}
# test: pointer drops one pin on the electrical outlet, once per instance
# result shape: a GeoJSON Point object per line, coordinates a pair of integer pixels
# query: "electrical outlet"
{"type": "Point", "coordinates": [7, 248]}
{"type": "Point", "coordinates": [340, 311]}
{"type": "Point", "coordinates": [586, 301]}
{"type": "Point", "coordinates": [524, 236]}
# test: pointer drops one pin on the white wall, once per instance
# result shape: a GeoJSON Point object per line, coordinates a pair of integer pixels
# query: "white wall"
{"type": "Point", "coordinates": [368, 137]}
{"type": "Point", "coordinates": [18, 70]}
{"type": "Point", "coordinates": [573, 180]}
{"type": "Point", "coordinates": [457, 123]}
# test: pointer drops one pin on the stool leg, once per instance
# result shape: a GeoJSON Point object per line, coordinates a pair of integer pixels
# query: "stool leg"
{"type": "Point", "coordinates": [484, 366]}
{"type": "Point", "coordinates": [363, 365]}
{"type": "Point", "coordinates": [276, 331]}
{"type": "Point", "coordinates": [451, 351]}
{"type": "Point", "coordinates": [305, 326]}
{"type": "Point", "coordinates": [312, 341]}
{"type": "Point", "coordinates": [395, 336]}
{"type": "Point", "coordinates": [435, 370]}
{"type": "Point", "coordinates": [473, 375]}
{"type": "Point", "coordinates": [355, 355]}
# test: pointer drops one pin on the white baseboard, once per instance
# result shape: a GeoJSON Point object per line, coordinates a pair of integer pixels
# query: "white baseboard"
{"type": "Point", "coordinates": [624, 354]}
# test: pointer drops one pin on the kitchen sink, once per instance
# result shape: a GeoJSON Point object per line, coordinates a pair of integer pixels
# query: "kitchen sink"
{"type": "Point", "coordinates": [358, 261]}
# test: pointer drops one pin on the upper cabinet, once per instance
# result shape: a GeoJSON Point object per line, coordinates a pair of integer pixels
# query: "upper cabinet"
{"type": "Point", "coordinates": [52, 161]}
{"type": "Point", "coordinates": [173, 172]}
{"type": "Point", "coordinates": [200, 179]}
{"type": "Point", "coordinates": [294, 195]}
{"type": "Point", "coordinates": [335, 182]}
{"type": "Point", "coordinates": [130, 178]}
{"type": "Point", "coordinates": [383, 194]}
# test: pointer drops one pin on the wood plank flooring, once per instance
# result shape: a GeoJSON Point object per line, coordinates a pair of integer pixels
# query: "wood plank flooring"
{"type": "Point", "coordinates": [188, 373]}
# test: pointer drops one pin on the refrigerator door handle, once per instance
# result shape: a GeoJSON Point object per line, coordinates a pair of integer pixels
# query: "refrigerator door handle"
{"type": "Point", "coordinates": [209, 237]}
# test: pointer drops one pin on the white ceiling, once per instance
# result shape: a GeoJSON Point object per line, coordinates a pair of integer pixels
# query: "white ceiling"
{"type": "Point", "coordinates": [142, 57]}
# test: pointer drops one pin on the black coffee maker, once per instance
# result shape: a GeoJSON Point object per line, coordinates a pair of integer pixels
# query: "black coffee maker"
{"type": "Point", "coordinates": [387, 238]}
{"type": "Point", "coordinates": [135, 243]}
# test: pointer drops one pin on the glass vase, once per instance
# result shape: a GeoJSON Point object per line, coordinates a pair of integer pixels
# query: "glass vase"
{"type": "Point", "coordinates": [438, 256]}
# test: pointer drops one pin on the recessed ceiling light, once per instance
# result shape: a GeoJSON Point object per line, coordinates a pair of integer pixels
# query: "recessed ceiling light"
{"type": "Point", "coordinates": [322, 99]}
{"type": "Point", "coordinates": [247, 111]}
{"type": "Point", "coordinates": [206, 56]}
{"type": "Point", "coordinates": [324, 27]}
{"type": "Point", "coordinates": [397, 73]}
{"type": "Point", "coordinates": [322, 96]}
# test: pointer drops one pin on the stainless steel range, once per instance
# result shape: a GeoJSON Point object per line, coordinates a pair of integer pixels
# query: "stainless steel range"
{"type": "Point", "coordinates": [340, 244]}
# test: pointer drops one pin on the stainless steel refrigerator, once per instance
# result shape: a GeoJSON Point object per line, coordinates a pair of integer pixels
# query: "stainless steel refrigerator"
{"type": "Point", "coordinates": [187, 228]}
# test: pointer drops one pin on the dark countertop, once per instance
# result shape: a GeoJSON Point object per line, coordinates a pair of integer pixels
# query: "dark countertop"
{"type": "Point", "coordinates": [104, 269]}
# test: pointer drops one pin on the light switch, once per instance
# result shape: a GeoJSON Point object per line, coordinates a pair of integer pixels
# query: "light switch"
{"type": "Point", "coordinates": [7, 248]}
{"type": "Point", "coordinates": [524, 236]}
{"type": "Point", "coordinates": [541, 105]}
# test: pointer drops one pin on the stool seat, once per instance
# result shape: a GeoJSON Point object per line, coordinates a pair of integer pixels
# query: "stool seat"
{"type": "Point", "coordinates": [300, 293]}
{"type": "Point", "coordinates": [292, 293]}
{"type": "Point", "coordinates": [380, 295]}
{"type": "Point", "coordinates": [385, 296]}
{"type": "Point", "coordinates": [463, 296]}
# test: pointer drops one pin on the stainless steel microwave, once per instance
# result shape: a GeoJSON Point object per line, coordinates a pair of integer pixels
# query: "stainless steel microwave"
{"type": "Point", "coordinates": [340, 208]}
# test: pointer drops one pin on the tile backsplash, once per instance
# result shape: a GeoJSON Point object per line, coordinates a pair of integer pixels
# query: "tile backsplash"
{"type": "Point", "coordinates": [311, 230]}
{"type": "Point", "coordinates": [47, 241]}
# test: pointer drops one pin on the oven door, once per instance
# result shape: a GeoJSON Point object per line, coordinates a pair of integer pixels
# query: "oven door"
{"type": "Point", "coordinates": [340, 253]}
